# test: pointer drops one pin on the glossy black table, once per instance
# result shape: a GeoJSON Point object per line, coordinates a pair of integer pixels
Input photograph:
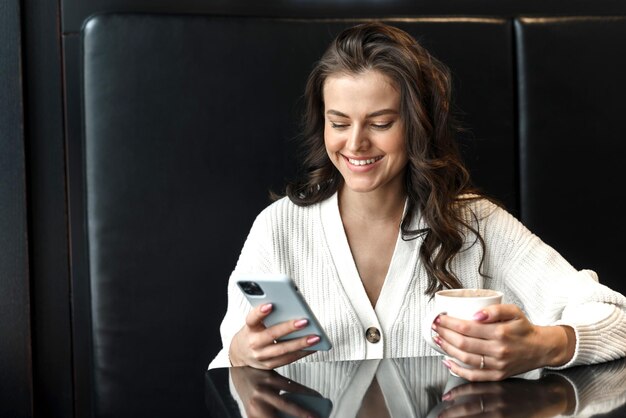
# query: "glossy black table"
{"type": "Point", "coordinates": [412, 387]}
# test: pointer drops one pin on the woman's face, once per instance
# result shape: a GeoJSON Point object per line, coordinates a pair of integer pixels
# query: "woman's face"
{"type": "Point", "coordinates": [364, 132]}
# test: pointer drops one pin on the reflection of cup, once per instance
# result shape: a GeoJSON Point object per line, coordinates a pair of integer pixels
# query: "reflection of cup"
{"type": "Point", "coordinates": [459, 303]}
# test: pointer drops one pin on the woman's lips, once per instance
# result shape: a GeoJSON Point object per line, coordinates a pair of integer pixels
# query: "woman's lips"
{"type": "Point", "coordinates": [359, 162]}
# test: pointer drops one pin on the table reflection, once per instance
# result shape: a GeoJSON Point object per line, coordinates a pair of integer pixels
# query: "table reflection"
{"type": "Point", "coordinates": [413, 387]}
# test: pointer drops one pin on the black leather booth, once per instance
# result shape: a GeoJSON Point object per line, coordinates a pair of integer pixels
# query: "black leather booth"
{"type": "Point", "coordinates": [189, 121]}
{"type": "Point", "coordinates": [572, 91]}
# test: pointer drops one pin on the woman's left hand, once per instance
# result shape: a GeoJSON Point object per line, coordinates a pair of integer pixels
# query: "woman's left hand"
{"type": "Point", "coordinates": [503, 341]}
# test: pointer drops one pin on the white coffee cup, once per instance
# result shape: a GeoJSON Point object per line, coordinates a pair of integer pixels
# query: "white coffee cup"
{"type": "Point", "coordinates": [458, 303]}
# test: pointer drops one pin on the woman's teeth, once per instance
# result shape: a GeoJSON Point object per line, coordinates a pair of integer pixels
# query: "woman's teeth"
{"type": "Point", "coordinates": [364, 162]}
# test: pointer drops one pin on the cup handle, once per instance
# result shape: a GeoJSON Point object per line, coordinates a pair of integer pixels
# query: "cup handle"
{"type": "Point", "coordinates": [427, 331]}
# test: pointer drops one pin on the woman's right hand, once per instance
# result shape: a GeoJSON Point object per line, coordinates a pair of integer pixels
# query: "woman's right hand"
{"type": "Point", "coordinates": [257, 346]}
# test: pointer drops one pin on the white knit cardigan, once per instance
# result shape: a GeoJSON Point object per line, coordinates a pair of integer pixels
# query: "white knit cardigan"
{"type": "Point", "coordinates": [310, 245]}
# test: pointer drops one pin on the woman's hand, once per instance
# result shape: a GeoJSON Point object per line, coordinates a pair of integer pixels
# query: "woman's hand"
{"type": "Point", "coordinates": [257, 346]}
{"type": "Point", "coordinates": [501, 338]}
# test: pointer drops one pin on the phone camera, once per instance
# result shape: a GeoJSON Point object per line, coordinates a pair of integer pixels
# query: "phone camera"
{"type": "Point", "coordinates": [251, 288]}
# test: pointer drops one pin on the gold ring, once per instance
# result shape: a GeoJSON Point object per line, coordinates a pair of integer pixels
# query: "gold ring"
{"type": "Point", "coordinates": [482, 362]}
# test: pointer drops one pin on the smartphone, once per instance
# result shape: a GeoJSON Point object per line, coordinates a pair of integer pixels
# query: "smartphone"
{"type": "Point", "coordinates": [288, 304]}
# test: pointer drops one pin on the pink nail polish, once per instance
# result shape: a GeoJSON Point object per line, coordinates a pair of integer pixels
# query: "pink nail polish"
{"type": "Point", "coordinates": [446, 363]}
{"type": "Point", "coordinates": [301, 323]}
{"type": "Point", "coordinates": [480, 316]}
{"type": "Point", "coordinates": [446, 396]}
{"type": "Point", "coordinates": [437, 320]}
{"type": "Point", "coordinates": [312, 340]}
{"type": "Point", "coordinates": [266, 308]}
{"type": "Point", "coordinates": [437, 340]}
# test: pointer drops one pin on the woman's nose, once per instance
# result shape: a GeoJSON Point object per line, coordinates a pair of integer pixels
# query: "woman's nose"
{"type": "Point", "coordinates": [357, 140]}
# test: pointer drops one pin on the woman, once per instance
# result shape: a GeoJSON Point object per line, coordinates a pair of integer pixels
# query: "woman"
{"type": "Point", "coordinates": [385, 215]}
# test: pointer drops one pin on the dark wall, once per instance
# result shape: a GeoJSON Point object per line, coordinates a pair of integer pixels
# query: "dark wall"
{"type": "Point", "coordinates": [15, 348]}
{"type": "Point", "coordinates": [47, 201]}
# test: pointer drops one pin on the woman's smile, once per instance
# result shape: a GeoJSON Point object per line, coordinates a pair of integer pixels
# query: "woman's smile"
{"type": "Point", "coordinates": [360, 162]}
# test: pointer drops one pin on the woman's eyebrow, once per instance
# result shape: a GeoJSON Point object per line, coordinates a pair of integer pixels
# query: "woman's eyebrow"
{"type": "Point", "coordinates": [369, 115]}
{"type": "Point", "coordinates": [382, 112]}
{"type": "Point", "coordinates": [336, 113]}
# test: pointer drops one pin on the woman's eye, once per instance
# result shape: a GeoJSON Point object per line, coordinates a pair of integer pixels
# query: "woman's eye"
{"type": "Point", "coordinates": [338, 125]}
{"type": "Point", "coordinates": [382, 126]}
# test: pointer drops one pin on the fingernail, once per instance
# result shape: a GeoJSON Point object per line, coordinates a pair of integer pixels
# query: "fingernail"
{"type": "Point", "coordinates": [434, 326]}
{"type": "Point", "coordinates": [446, 396]}
{"type": "Point", "coordinates": [480, 316]}
{"type": "Point", "coordinates": [446, 363]}
{"type": "Point", "coordinates": [437, 320]}
{"type": "Point", "coordinates": [266, 308]}
{"type": "Point", "coordinates": [312, 340]}
{"type": "Point", "coordinates": [437, 340]}
{"type": "Point", "coordinates": [301, 323]}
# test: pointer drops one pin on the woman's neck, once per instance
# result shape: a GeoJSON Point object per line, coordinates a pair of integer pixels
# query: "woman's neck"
{"type": "Point", "coordinates": [375, 206]}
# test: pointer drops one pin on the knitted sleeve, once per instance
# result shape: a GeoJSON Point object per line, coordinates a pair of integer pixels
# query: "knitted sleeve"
{"type": "Point", "coordinates": [552, 291]}
{"type": "Point", "coordinates": [255, 257]}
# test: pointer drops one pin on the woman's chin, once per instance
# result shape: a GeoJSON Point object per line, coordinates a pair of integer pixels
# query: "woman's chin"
{"type": "Point", "coordinates": [360, 187]}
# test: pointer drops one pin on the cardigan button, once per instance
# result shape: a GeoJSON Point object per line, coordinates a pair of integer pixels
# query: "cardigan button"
{"type": "Point", "coordinates": [372, 335]}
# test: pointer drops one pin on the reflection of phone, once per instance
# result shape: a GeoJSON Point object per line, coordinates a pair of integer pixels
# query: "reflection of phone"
{"type": "Point", "coordinates": [288, 304]}
{"type": "Point", "coordinates": [320, 406]}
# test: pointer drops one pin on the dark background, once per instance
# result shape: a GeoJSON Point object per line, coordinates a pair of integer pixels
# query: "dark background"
{"type": "Point", "coordinates": [46, 349]}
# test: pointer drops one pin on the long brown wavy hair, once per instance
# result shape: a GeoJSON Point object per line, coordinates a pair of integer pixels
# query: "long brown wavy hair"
{"type": "Point", "coordinates": [437, 182]}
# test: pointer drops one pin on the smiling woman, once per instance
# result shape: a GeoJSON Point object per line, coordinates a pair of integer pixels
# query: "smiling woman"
{"type": "Point", "coordinates": [384, 215]}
